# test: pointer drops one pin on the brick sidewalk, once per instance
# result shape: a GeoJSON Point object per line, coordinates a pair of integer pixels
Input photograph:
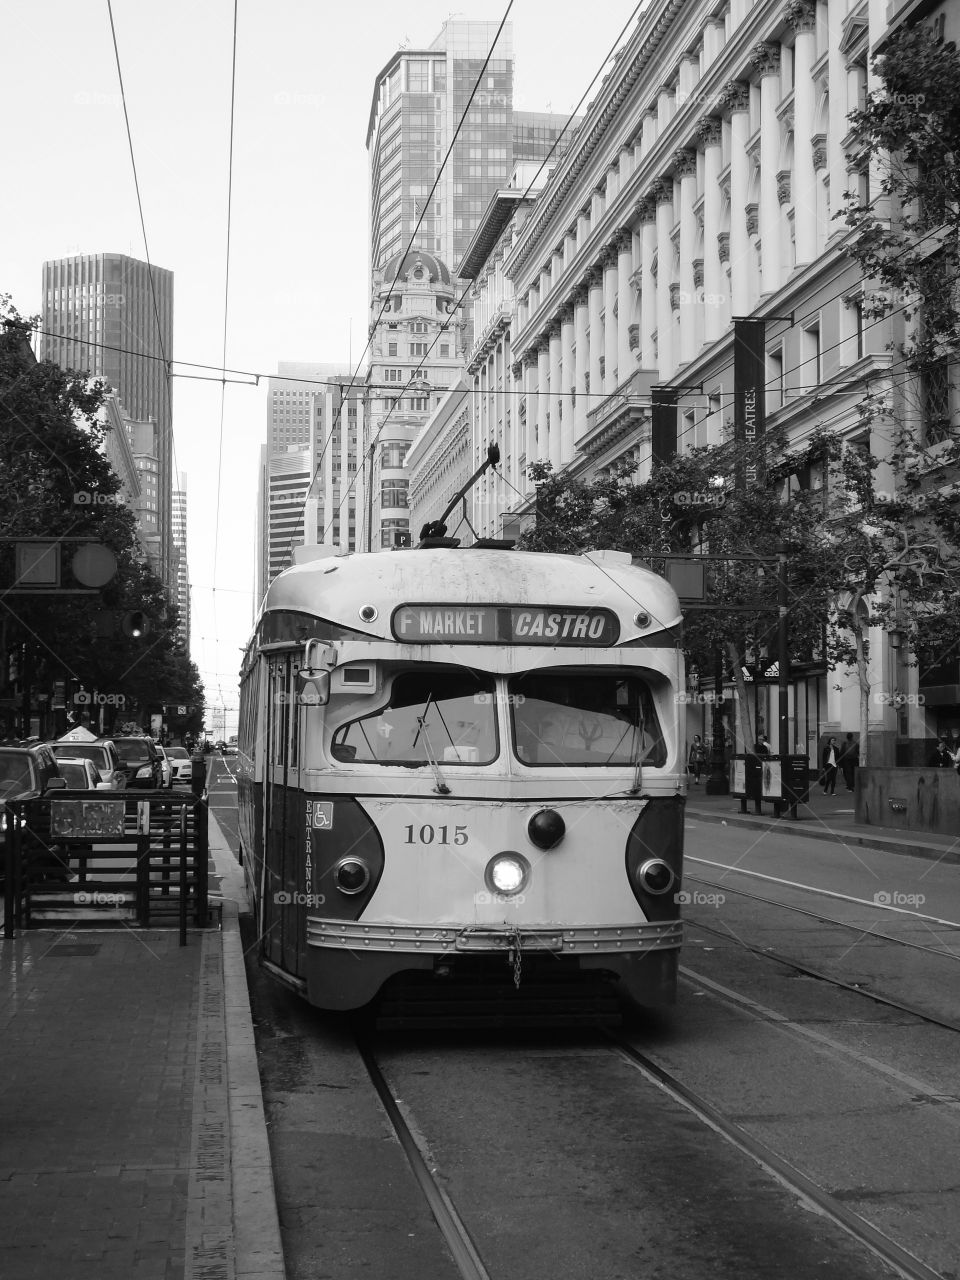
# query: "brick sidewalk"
{"type": "Point", "coordinates": [132, 1140]}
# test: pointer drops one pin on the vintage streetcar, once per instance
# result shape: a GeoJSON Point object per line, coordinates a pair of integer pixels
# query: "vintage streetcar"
{"type": "Point", "coordinates": [464, 765]}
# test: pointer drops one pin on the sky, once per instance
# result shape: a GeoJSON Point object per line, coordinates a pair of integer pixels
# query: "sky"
{"type": "Point", "coordinates": [298, 279]}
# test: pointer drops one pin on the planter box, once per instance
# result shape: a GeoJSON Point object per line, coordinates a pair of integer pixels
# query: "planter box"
{"type": "Point", "coordinates": [909, 799]}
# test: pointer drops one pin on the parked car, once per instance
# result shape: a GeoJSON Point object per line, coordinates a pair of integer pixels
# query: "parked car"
{"type": "Point", "coordinates": [140, 758]}
{"type": "Point", "coordinates": [102, 754]}
{"type": "Point", "coordinates": [82, 775]}
{"type": "Point", "coordinates": [179, 758]}
{"type": "Point", "coordinates": [27, 773]}
{"type": "Point", "coordinates": [165, 766]}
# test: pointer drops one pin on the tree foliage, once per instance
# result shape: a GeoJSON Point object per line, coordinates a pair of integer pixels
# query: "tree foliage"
{"type": "Point", "coordinates": [51, 435]}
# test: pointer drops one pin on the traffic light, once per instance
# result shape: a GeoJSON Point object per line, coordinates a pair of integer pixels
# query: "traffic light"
{"type": "Point", "coordinates": [135, 624]}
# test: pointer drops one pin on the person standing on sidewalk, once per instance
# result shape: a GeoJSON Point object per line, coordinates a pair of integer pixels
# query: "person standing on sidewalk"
{"type": "Point", "coordinates": [941, 757]}
{"type": "Point", "coordinates": [849, 759]}
{"type": "Point", "coordinates": [830, 761]}
{"type": "Point", "coordinates": [697, 757]}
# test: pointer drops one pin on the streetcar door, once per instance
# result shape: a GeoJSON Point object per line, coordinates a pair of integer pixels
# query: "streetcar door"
{"type": "Point", "coordinates": [278, 914]}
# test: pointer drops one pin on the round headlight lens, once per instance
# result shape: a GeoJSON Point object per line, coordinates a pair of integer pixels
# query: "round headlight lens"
{"type": "Point", "coordinates": [352, 875]}
{"type": "Point", "coordinates": [656, 876]}
{"type": "Point", "coordinates": [507, 873]}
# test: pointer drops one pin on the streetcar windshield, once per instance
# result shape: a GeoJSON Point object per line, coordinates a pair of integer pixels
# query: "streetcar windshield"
{"type": "Point", "coordinates": [568, 716]}
{"type": "Point", "coordinates": [442, 716]}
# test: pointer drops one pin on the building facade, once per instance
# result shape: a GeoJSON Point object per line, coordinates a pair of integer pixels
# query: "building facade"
{"type": "Point", "coordinates": [418, 100]}
{"type": "Point", "coordinates": [308, 468]}
{"type": "Point", "coordinates": [113, 315]}
{"type": "Point", "coordinates": [440, 461]}
{"type": "Point", "coordinates": [703, 185]}
{"type": "Point", "coordinates": [180, 550]}
{"type": "Point", "coordinates": [416, 355]}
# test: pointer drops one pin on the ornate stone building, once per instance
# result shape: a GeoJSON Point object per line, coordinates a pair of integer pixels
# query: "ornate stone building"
{"type": "Point", "coordinates": [703, 185]}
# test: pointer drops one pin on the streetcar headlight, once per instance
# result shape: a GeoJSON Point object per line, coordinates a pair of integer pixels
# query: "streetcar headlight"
{"type": "Point", "coordinates": [352, 875]}
{"type": "Point", "coordinates": [507, 873]}
{"type": "Point", "coordinates": [546, 829]}
{"type": "Point", "coordinates": [656, 876]}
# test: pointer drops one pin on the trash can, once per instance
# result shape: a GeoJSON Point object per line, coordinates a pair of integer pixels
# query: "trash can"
{"type": "Point", "coordinates": [198, 773]}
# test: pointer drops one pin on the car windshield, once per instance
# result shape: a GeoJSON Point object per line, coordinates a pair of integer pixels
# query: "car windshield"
{"type": "Point", "coordinates": [568, 716]}
{"type": "Point", "coordinates": [177, 753]}
{"type": "Point", "coordinates": [130, 749]}
{"type": "Point", "coordinates": [16, 773]}
{"type": "Point", "coordinates": [78, 752]}
{"type": "Point", "coordinates": [448, 716]}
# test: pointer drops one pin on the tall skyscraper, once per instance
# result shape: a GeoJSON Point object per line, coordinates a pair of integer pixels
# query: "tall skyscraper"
{"type": "Point", "coordinates": [418, 100]}
{"type": "Point", "coordinates": [180, 552]}
{"type": "Point", "coordinates": [308, 466]}
{"type": "Point", "coordinates": [113, 315]}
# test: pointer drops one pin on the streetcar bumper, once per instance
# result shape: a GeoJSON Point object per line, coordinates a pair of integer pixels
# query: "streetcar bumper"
{"type": "Point", "coordinates": [349, 961]}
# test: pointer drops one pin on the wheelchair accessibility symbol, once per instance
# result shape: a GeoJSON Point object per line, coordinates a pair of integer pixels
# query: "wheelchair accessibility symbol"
{"type": "Point", "coordinates": [323, 814]}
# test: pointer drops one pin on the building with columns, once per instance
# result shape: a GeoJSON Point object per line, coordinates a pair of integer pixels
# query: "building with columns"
{"type": "Point", "coordinates": [703, 185]}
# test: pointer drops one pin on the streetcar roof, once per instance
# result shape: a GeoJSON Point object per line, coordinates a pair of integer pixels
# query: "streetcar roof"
{"type": "Point", "coordinates": [337, 588]}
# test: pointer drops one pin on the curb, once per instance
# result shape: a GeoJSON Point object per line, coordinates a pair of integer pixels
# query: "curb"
{"type": "Point", "coordinates": [258, 1247]}
{"type": "Point", "coordinates": [862, 840]}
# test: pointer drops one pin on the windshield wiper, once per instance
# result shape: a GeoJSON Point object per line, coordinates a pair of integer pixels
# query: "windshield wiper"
{"type": "Point", "coordinates": [441, 787]}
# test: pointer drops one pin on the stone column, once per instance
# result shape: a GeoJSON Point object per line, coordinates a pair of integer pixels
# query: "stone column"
{"type": "Point", "coordinates": [735, 102]}
{"type": "Point", "coordinates": [530, 412]}
{"type": "Point", "coordinates": [567, 376]}
{"type": "Point", "coordinates": [710, 134]}
{"type": "Point", "coordinates": [665, 353]}
{"type": "Point", "coordinates": [609, 260]}
{"type": "Point", "coordinates": [595, 303]}
{"type": "Point", "coordinates": [685, 162]}
{"type": "Point", "coordinates": [625, 360]}
{"type": "Point", "coordinates": [517, 436]}
{"type": "Point", "coordinates": [803, 18]}
{"type": "Point", "coordinates": [647, 213]}
{"type": "Point", "coordinates": [543, 397]}
{"type": "Point", "coordinates": [553, 438]}
{"type": "Point", "coordinates": [580, 330]}
{"type": "Point", "coordinates": [766, 59]}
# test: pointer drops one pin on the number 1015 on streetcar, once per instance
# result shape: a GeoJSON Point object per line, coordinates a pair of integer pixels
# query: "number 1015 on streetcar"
{"type": "Point", "coordinates": [460, 762]}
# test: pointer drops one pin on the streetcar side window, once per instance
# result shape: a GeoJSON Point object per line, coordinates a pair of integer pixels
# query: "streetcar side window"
{"type": "Point", "coordinates": [449, 716]}
{"type": "Point", "coordinates": [568, 716]}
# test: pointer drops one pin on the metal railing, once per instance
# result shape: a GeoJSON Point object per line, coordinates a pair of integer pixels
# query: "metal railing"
{"type": "Point", "coordinates": [74, 853]}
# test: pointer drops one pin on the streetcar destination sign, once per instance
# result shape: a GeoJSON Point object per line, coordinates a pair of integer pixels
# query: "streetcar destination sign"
{"type": "Point", "coordinates": [505, 624]}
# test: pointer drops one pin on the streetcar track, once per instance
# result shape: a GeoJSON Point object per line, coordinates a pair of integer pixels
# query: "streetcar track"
{"type": "Point", "coordinates": [455, 1234]}
{"type": "Point", "coordinates": [824, 893]}
{"type": "Point", "coordinates": [800, 967]}
{"type": "Point", "coordinates": [888, 1251]}
{"type": "Point", "coordinates": [915, 1087]}
{"type": "Point", "coordinates": [815, 915]}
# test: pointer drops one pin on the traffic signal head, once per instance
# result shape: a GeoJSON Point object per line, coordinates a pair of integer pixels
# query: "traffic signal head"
{"type": "Point", "coordinates": [135, 624]}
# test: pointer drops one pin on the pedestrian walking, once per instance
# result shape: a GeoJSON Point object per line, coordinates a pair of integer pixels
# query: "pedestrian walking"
{"type": "Point", "coordinates": [849, 759]}
{"type": "Point", "coordinates": [830, 761]}
{"type": "Point", "coordinates": [697, 757]}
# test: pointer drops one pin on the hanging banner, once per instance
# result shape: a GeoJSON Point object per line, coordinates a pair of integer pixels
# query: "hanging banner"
{"type": "Point", "coordinates": [749, 395]}
{"type": "Point", "coordinates": [663, 436]}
